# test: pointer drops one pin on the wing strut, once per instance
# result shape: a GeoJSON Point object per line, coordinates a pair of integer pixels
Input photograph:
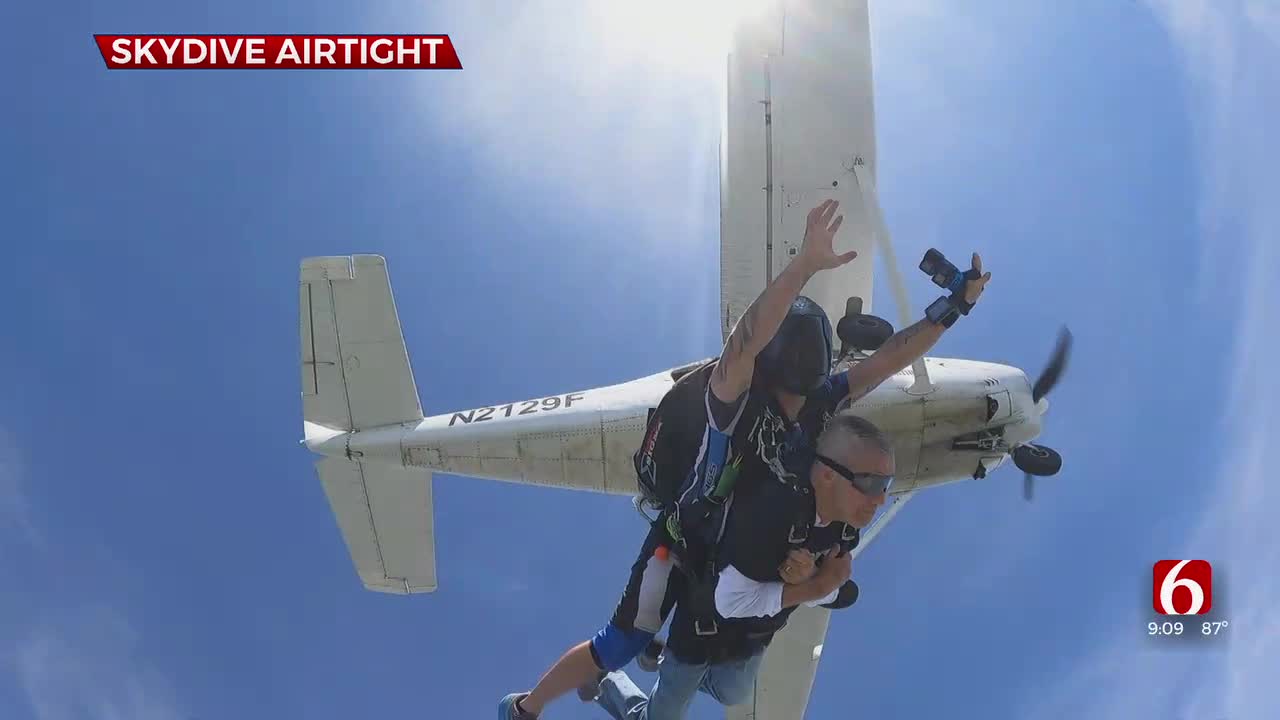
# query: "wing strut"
{"type": "Point", "coordinates": [871, 202]}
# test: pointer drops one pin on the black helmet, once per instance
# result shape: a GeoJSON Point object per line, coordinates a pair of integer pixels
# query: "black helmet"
{"type": "Point", "coordinates": [798, 358]}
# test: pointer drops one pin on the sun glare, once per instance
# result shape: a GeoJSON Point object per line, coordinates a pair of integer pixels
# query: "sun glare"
{"type": "Point", "coordinates": [690, 35]}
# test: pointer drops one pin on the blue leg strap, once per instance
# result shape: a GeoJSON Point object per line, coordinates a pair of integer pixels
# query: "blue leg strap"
{"type": "Point", "coordinates": [612, 647]}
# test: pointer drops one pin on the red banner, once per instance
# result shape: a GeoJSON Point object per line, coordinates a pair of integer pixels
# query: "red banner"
{"type": "Point", "coordinates": [278, 52]}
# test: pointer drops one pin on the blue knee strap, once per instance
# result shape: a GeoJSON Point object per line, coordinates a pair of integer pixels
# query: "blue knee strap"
{"type": "Point", "coordinates": [614, 647]}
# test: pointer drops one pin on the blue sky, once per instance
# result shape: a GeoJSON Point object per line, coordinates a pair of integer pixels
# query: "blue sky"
{"type": "Point", "coordinates": [550, 220]}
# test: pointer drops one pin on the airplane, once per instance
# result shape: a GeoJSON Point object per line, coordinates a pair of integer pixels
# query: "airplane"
{"type": "Point", "coordinates": [798, 127]}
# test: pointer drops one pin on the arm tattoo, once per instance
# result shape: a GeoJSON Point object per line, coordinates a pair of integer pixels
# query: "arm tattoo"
{"type": "Point", "coordinates": [857, 393]}
{"type": "Point", "coordinates": [763, 317]}
{"type": "Point", "coordinates": [893, 348]}
{"type": "Point", "coordinates": [742, 333]}
{"type": "Point", "coordinates": [901, 339]}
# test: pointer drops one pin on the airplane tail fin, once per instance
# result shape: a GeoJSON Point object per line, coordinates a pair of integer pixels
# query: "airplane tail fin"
{"type": "Point", "coordinates": [355, 369]}
{"type": "Point", "coordinates": [356, 376]}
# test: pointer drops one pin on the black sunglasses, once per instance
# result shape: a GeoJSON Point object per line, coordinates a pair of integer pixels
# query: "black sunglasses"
{"type": "Point", "coordinates": [869, 484]}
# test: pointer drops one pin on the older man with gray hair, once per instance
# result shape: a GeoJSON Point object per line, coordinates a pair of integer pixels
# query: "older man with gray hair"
{"type": "Point", "coordinates": [784, 545]}
{"type": "Point", "coordinates": [775, 534]}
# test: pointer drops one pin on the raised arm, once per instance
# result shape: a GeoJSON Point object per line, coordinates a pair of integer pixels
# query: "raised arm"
{"type": "Point", "coordinates": [762, 319]}
{"type": "Point", "coordinates": [907, 345]}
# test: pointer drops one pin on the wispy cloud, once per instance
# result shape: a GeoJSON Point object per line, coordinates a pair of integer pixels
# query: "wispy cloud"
{"type": "Point", "coordinates": [86, 665]}
{"type": "Point", "coordinates": [68, 660]}
{"type": "Point", "coordinates": [604, 112]}
{"type": "Point", "coordinates": [1230, 50]}
{"type": "Point", "coordinates": [16, 521]}
{"type": "Point", "coordinates": [607, 105]}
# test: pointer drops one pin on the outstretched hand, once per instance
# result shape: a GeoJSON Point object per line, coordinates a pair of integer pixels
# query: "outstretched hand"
{"type": "Point", "coordinates": [973, 288]}
{"type": "Point", "coordinates": [817, 250]}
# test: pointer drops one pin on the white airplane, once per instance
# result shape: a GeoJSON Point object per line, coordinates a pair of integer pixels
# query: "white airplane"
{"type": "Point", "coordinates": [798, 128]}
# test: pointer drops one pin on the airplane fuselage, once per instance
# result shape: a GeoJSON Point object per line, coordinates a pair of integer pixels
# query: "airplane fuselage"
{"type": "Point", "coordinates": [975, 412]}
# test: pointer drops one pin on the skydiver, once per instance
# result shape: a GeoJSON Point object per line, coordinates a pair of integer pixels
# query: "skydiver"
{"type": "Point", "coordinates": [853, 471]}
{"type": "Point", "coordinates": [782, 347]}
{"type": "Point", "coordinates": [849, 473]}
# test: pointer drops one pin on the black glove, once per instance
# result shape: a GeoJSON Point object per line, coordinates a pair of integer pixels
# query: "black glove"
{"type": "Point", "coordinates": [957, 298]}
{"type": "Point", "coordinates": [846, 596]}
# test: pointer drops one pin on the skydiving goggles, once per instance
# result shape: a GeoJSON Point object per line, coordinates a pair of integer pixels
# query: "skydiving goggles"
{"type": "Point", "coordinates": [869, 484]}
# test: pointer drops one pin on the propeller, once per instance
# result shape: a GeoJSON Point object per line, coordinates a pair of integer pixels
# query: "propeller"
{"type": "Point", "coordinates": [1057, 363]}
{"type": "Point", "coordinates": [1043, 384]}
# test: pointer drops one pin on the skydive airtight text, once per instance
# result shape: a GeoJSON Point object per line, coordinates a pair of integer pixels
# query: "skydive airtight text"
{"type": "Point", "coordinates": [278, 51]}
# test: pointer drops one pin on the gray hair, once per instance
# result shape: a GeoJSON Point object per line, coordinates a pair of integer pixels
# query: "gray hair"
{"type": "Point", "coordinates": [845, 428]}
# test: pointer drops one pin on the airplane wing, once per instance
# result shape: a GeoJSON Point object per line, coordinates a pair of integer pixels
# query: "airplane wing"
{"type": "Point", "coordinates": [799, 121]}
{"type": "Point", "coordinates": [799, 128]}
{"type": "Point", "coordinates": [790, 663]}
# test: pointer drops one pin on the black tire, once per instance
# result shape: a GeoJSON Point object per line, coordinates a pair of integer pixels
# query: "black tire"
{"type": "Point", "coordinates": [863, 332]}
{"type": "Point", "coordinates": [1037, 460]}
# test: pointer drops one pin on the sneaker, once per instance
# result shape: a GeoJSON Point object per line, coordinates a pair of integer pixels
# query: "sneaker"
{"type": "Point", "coordinates": [508, 710]}
{"type": "Point", "coordinates": [648, 659]}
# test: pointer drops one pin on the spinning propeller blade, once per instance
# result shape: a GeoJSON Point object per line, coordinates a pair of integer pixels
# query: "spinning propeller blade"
{"type": "Point", "coordinates": [1046, 382]}
{"type": "Point", "coordinates": [1057, 364]}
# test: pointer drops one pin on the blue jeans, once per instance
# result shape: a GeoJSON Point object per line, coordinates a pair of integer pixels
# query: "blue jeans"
{"type": "Point", "coordinates": [729, 683]}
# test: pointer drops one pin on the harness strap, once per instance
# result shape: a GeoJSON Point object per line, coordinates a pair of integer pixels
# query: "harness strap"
{"type": "Point", "coordinates": [702, 599]}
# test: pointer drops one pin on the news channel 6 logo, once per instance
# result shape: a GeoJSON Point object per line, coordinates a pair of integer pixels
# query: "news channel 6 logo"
{"type": "Point", "coordinates": [1182, 595]}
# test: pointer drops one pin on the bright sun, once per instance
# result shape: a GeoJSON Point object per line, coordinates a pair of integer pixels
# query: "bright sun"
{"type": "Point", "coordinates": [686, 34]}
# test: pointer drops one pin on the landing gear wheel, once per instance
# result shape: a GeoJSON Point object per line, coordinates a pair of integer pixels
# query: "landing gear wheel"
{"type": "Point", "coordinates": [1037, 460]}
{"type": "Point", "coordinates": [863, 332]}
